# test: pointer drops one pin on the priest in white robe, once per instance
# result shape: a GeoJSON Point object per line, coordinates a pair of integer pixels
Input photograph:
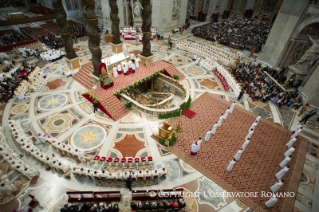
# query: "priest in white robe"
{"type": "Point", "coordinates": [220, 121]}
{"type": "Point", "coordinates": [195, 148]}
{"type": "Point", "coordinates": [213, 131]}
{"type": "Point", "coordinates": [258, 118]}
{"type": "Point", "coordinates": [238, 154]}
{"type": "Point", "coordinates": [254, 125]}
{"type": "Point", "coordinates": [282, 172]}
{"type": "Point", "coordinates": [249, 134]}
{"type": "Point", "coordinates": [269, 203]}
{"type": "Point", "coordinates": [291, 142]}
{"type": "Point", "coordinates": [297, 133]}
{"type": "Point", "coordinates": [231, 165]}
{"type": "Point", "coordinates": [232, 107]}
{"type": "Point", "coordinates": [283, 163]}
{"type": "Point", "coordinates": [115, 74]}
{"type": "Point", "coordinates": [289, 151]}
{"type": "Point", "coordinates": [298, 127]}
{"type": "Point", "coordinates": [274, 188]}
{"type": "Point", "coordinates": [243, 147]}
{"type": "Point", "coordinates": [226, 114]}
{"type": "Point", "coordinates": [207, 137]}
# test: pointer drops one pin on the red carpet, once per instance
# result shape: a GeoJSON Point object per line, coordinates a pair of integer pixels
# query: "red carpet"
{"type": "Point", "coordinates": [255, 172]}
{"type": "Point", "coordinates": [189, 113]}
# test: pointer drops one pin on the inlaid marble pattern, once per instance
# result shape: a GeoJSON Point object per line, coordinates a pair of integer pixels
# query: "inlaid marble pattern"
{"type": "Point", "coordinates": [53, 101]}
{"type": "Point", "coordinates": [88, 137]}
{"type": "Point", "coordinates": [195, 70]}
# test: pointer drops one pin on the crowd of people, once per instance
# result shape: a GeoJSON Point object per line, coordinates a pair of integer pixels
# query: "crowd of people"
{"type": "Point", "coordinates": [29, 52]}
{"type": "Point", "coordinates": [18, 80]}
{"type": "Point", "coordinates": [259, 84]}
{"type": "Point", "coordinates": [52, 55]}
{"type": "Point", "coordinates": [13, 38]}
{"type": "Point", "coordinates": [240, 33]}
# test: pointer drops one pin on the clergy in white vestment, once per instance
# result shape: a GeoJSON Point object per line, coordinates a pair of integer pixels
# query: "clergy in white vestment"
{"type": "Point", "coordinates": [119, 68]}
{"type": "Point", "coordinates": [118, 175]}
{"type": "Point", "coordinates": [291, 142]}
{"type": "Point", "coordinates": [195, 148]}
{"type": "Point", "coordinates": [137, 63]}
{"type": "Point", "coordinates": [282, 172]}
{"type": "Point", "coordinates": [258, 118]}
{"type": "Point", "coordinates": [226, 114]}
{"type": "Point", "coordinates": [243, 147]}
{"type": "Point", "coordinates": [298, 127]}
{"type": "Point", "coordinates": [199, 141]}
{"type": "Point", "coordinates": [249, 134]}
{"type": "Point", "coordinates": [42, 138]}
{"type": "Point", "coordinates": [254, 125]}
{"type": "Point", "coordinates": [232, 108]}
{"type": "Point", "coordinates": [207, 137]}
{"type": "Point", "coordinates": [125, 175]}
{"type": "Point", "coordinates": [231, 165]}
{"type": "Point", "coordinates": [148, 174]}
{"type": "Point", "coordinates": [213, 131]}
{"type": "Point", "coordinates": [269, 203]}
{"type": "Point", "coordinates": [238, 154]}
{"type": "Point", "coordinates": [133, 175]}
{"type": "Point", "coordinates": [133, 67]}
{"type": "Point", "coordinates": [162, 172]}
{"type": "Point", "coordinates": [289, 151]}
{"type": "Point", "coordinates": [115, 74]}
{"type": "Point", "coordinates": [274, 188]}
{"type": "Point", "coordinates": [140, 174]}
{"type": "Point", "coordinates": [297, 133]}
{"type": "Point", "coordinates": [283, 163]}
{"type": "Point", "coordinates": [195, 57]}
{"type": "Point", "coordinates": [220, 121]}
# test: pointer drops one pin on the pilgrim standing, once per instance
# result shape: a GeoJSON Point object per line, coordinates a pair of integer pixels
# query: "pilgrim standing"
{"type": "Point", "coordinates": [220, 121]}
{"type": "Point", "coordinates": [207, 137]}
{"type": "Point", "coordinates": [289, 151]}
{"type": "Point", "coordinates": [283, 163]}
{"type": "Point", "coordinates": [274, 188]}
{"type": "Point", "coordinates": [231, 165]}
{"type": "Point", "coordinates": [282, 172]}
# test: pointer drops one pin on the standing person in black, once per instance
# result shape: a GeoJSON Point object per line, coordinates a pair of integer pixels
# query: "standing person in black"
{"type": "Point", "coordinates": [128, 182]}
{"type": "Point", "coordinates": [308, 116]}
{"type": "Point", "coordinates": [95, 105]}
{"type": "Point", "coordinates": [241, 94]}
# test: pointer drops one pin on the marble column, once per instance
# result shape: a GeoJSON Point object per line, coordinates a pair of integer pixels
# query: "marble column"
{"type": "Point", "coordinates": [257, 7]}
{"type": "Point", "coordinates": [125, 13]}
{"type": "Point", "coordinates": [92, 33]}
{"type": "Point", "coordinates": [310, 86]}
{"type": "Point", "coordinates": [288, 17]}
{"type": "Point", "coordinates": [146, 55]}
{"type": "Point", "coordinates": [61, 19]}
{"type": "Point", "coordinates": [115, 21]}
{"type": "Point", "coordinates": [196, 5]}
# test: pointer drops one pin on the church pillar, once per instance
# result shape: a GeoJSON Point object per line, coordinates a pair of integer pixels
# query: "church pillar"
{"type": "Point", "coordinates": [196, 5]}
{"type": "Point", "coordinates": [146, 55]}
{"type": "Point", "coordinates": [126, 14]}
{"type": "Point", "coordinates": [94, 37]}
{"type": "Point", "coordinates": [310, 86]}
{"type": "Point", "coordinates": [257, 7]}
{"type": "Point", "coordinates": [61, 18]}
{"type": "Point", "coordinates": [289, 15]}
{"type": "Point", "coordinates": [116, 42]}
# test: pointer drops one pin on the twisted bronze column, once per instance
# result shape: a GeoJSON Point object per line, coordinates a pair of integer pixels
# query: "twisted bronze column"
{"type": "Point", "coordinates": [61, 19]}
{"type": "Point", "coordinates": [115, 22]}
{"type": "Point", "coordinates": [91, 31]}
{"type": "Point", "coordinates": [146, 27]}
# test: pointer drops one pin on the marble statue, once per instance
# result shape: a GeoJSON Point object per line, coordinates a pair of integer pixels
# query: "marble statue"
{"type": "Point", "coordinates": [310, 57]}
{"type": "Point", "coordinates": [92, 33]}
{"type": "Point", "coordinates": [115, 22]}
{"type": "Point", "coordinates": [61, 19]}
{"type": "Point", "coordinates": [146, 28]}
{"type": "Point", "coordinates": [137, 9]}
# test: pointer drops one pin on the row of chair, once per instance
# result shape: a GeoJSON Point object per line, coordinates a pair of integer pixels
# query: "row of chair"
{"type": "Point", "coordinates": [124, 162]}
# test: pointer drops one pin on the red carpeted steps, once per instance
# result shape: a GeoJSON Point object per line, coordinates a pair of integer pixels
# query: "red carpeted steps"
{"type": "Point", "coordinates": [83, 76]}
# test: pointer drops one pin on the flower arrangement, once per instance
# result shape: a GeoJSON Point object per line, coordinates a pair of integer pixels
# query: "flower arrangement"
{"type": "Point", "coordinates": [166, 61]}
{"type": "Point", "coordinates": [94, 97]}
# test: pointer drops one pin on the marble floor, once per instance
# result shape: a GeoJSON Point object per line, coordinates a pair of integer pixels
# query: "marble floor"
{"type": "Point", "coordinates": [59, 109]}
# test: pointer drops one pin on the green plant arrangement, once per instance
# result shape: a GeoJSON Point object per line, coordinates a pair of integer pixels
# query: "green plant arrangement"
{"type": "Point", "coordinates": [175, 77]}
{"type": "Point", "coordinates": [128, 105]}
{"type": "Point", "coordinates": [106, 81]}
{"type": "Point", "coordinates": [167, 61]}
{"type": "Point", "coordinates": [94, 97]}
{"type": "Point", "coordinates": [177, 113]}
{"type": "Point", "coordinates": [168, 142]}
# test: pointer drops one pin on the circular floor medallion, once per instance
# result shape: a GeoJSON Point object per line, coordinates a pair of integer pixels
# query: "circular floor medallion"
{"type": "Point", "coordinates": [195, 70]}
{"type": "Point", "coordinates": [53, 101]}
{"type": "Point", "coordinates": [19, 109]}
{"type": "Point", "coordinates": [88, 137]}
